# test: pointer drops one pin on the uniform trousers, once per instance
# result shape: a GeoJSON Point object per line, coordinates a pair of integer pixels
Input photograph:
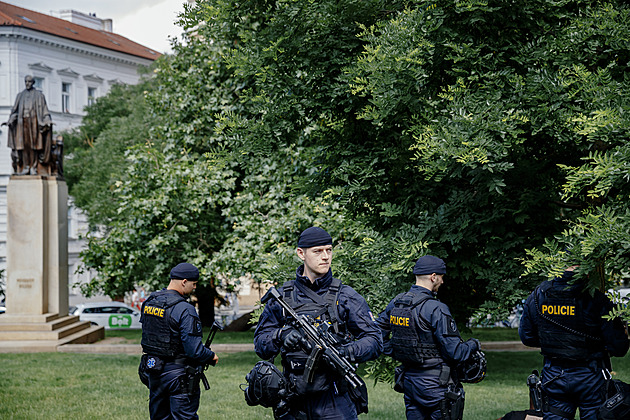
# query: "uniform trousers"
{"type": "Point", "coordinates": [168, 399]}
{"type": "Point", "coordinates": [326, 405]}
{"type": "Point", "coordinates": [423, 394]}
{"type": "Point", "coordinates": [568, 387]}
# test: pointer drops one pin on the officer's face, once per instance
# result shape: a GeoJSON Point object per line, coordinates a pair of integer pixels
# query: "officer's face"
{"type": "Point", "coordinates": [439, 280]}
{"type": "Point", "coordinates": [188, 287]}
{"type": "Point", "coordinates": [316, 259]}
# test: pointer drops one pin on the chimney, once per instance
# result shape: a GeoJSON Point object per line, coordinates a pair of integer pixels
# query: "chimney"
{"type": "Point", "coordinates": [88, 20]}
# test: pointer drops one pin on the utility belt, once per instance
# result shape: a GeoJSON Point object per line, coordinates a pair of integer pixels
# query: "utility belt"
{"type": "Point", "coordinates": [569, 363]}
{"type": "Point", "coordinates": [442, 371]}
{"type": "Point", "coordinates": [155, 365]}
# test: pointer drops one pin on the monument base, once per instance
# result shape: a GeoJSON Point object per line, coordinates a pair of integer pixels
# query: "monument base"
{"type": "Point", "coordinates": [44, 332]}
{"type": "Point", "coordinates": [36, 317]}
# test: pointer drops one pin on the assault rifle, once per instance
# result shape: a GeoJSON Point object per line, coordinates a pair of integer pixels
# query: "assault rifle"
{"type": "Point", "coordinates": [320, 343]}
{"type": "Point", "coordinates": [199, 370]}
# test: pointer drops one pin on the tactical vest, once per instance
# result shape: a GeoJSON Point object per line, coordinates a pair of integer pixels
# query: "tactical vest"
{"type": "Point", "coordinates": [320, 309]}
{"type": "Point", "coordinates": [564, 330]}
{"type": "Point", "coordinates": [157, 337]}
{"type": "Point", "coordinates": [411, 339]}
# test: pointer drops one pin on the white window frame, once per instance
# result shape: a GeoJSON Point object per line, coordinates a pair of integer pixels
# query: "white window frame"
{"type": "Point", "coordinates": [66, 97]}
{"type": "Point", "coordinates": [92, 94]}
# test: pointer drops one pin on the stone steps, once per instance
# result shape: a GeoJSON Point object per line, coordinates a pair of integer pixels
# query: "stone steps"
{"type": "Point", "coordinates": [36, 333]}
{"type": "Point", "coordinates": [18, 323]}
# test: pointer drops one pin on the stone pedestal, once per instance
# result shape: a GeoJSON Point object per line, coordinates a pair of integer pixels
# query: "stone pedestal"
{"type": "Point", "coordinates": [37, 246]}
{"type": "Point", "coordinates": [37, 264]}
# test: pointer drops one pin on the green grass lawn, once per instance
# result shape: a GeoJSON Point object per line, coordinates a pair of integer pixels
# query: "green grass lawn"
{"type": "Point", "coordinates": [68, 386]}
{"type": "Point", "coordinates": [79, 386]}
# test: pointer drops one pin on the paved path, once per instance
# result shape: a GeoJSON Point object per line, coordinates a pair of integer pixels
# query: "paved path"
{"type": "Point", "coordinates": [116, 345]}
{"type": "Point", "coordinates": [113, 346]}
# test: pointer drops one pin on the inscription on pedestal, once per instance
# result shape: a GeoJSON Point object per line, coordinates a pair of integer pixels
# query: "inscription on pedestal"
{"type": "Point", "coordinates": [25, 283]}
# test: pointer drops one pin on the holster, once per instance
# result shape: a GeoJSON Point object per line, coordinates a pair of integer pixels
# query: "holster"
{"type": "Point", "coordinates": [445, 375]}
{"type": "Point", "coordinates": [190, 380]}
{"type": "Point", "coordinates": [452, 406]}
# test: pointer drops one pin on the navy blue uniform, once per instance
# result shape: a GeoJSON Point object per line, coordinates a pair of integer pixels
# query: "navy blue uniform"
{"type": "Point", "coordinates": [174, 335]}
{"type": "Point", "coordinates": [438, 333]}
{"type": "Point", "coordinates": [567, 324]}
{"type": "Point", "coordinates": [326, 397]}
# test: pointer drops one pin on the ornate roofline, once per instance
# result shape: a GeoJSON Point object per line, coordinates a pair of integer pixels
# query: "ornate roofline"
{"type": "Point", "coordinates": [90, 51]}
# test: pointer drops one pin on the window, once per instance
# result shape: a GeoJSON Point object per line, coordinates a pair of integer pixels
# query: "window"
{"type": "Point", "coordinates": [91, 96]}
{"type": "Point", "coordinates": [124, 311]}
{"type": "Point", "coordinates": [65, 97]}
{"type": "Point", "coordinates": [38, 83]}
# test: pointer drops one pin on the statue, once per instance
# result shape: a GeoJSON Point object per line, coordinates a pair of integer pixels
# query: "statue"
{"type": "Point", "coordinates": [30, 132]}
{"type": "Point", "coordinates": [57, 154]}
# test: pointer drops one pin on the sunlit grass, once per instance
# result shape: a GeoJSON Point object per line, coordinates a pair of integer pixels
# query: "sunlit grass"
{"type": "Point", "coordinates": [69, 386]}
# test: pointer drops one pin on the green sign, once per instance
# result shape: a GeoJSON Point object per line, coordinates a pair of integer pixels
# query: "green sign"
{"type": "Point", "coordinates": [120, 321]}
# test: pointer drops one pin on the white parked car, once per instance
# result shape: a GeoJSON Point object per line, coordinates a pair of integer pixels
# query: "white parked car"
{"type": "Point", "coordinates": [109, 314]}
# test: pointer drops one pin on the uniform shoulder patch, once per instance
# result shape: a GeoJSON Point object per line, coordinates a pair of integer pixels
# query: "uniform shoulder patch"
{"type": "Point", "coordinates": [197, 328]}
{"type": "Point", "coordinates": [451, 327]}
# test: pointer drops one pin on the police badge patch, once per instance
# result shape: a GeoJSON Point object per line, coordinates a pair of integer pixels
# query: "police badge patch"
{"type": "Point", "coordinates": [451, 327]}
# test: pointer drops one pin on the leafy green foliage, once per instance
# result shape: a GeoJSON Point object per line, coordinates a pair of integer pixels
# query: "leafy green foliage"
{"type": "Point", "coordinates": [169, 212]}
{"type": "Point", "coordinates": [95, 153]}
{"type": "Point", "coordinates": [492, 134]}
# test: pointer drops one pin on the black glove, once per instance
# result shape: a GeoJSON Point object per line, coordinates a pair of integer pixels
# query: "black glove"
{"type": "Point", "coordinates": [346, 352]}
{"type": "Point", "coordinates": [280, 334]}
{"type": "Point", "coordinates": [292, 340]}
{"type": "Point", "coordinates": [476, 343]}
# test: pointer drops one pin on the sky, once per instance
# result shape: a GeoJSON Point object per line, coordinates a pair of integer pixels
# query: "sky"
{"type": "Point", "coordinates": [147, 22]}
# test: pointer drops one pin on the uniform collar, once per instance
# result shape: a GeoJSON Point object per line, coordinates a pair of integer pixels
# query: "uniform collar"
{"type": "Point", "coordinates": [419, 289]}
{"type": "Point", "coordinates": [320, 282]}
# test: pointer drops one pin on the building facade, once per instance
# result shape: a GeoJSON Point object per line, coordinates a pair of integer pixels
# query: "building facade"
{"type": "Point", "coordinates": [74, 59]}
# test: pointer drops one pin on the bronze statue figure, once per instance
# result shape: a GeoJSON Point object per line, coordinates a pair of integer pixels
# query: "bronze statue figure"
{"type": "Point", "coordinates": [30, 132]}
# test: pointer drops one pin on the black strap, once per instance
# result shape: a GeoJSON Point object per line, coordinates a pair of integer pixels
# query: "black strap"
{"type": "Point", "coordinates": [414, 301]}
{"type": "Point", "coordinates": [332, 298]}
{"type": "Point", "coordinates": [328, 301]}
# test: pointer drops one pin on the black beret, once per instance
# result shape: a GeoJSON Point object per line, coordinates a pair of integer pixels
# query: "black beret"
{"type": "Point", "coordinates": [429, 265]}
{"type": "Point", "coordinates": [314, 236]}
{"type": "Point", "coordinates": [185, 271]}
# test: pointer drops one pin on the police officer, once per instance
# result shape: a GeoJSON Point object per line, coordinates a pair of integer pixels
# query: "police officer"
{"type": "Point", "coordinates": [173, 347]}
{"type": "Point", "coordinates": [419, 331]}
{"type": "Point", "coordinates": [567, 323]}
{"type": "Point", "coordinates": [316, 293]}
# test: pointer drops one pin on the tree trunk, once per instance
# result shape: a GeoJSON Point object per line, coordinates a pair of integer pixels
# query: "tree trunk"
{"type": "Point", "coordinates": [206, 293]}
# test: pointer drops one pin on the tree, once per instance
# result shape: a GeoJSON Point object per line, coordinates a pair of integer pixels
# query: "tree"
{"type": "Point", "coordinates": [96, 159]}
{"type": "Point", "coordinates": [453, 128]}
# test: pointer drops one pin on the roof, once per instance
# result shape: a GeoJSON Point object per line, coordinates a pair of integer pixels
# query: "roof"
{"type": "Point", "coordinates": [11, 15]}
